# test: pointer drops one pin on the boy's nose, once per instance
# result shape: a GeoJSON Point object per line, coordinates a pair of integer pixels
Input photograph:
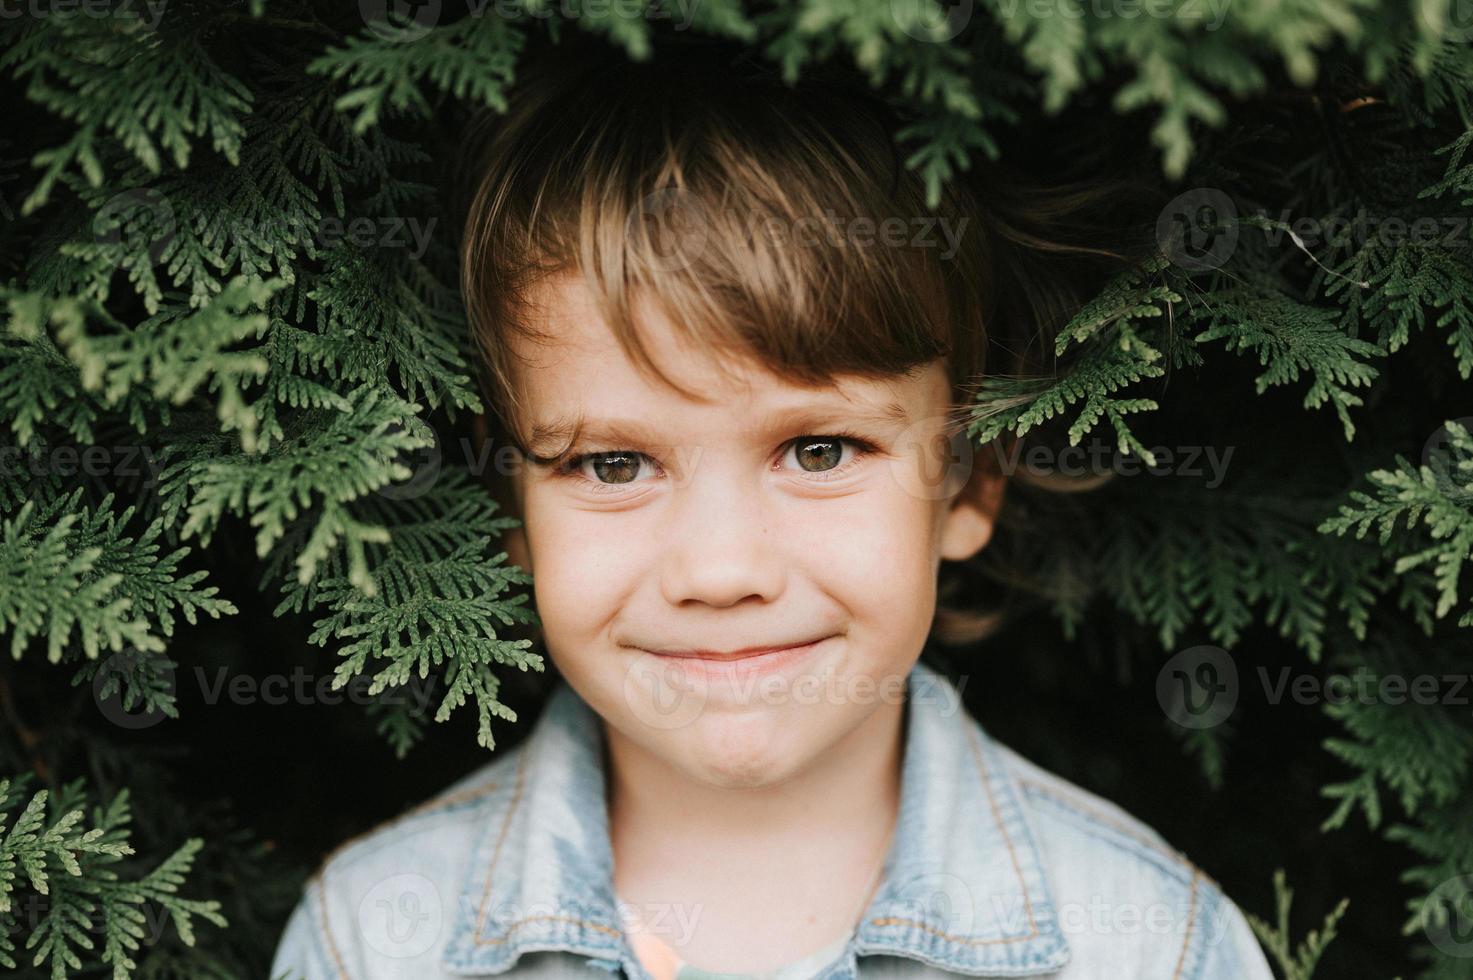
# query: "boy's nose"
{"type": "Point", "coordinates": [721, 544]}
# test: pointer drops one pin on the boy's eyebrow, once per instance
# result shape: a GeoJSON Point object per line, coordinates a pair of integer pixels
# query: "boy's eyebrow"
{"type": "Point", "coordinates": [561, 434]}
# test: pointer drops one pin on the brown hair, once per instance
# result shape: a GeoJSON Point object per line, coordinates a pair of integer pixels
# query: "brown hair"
{"type": "Point", "coordinates": [666, 181]}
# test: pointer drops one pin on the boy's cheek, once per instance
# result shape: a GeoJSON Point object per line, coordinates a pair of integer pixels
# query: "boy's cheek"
{"type": "Point", "coordinates": [583, 577]}
{"type": "Point", "coordinates": [881, 553]}
{"type": "Point", "coordinates": [864, 557]}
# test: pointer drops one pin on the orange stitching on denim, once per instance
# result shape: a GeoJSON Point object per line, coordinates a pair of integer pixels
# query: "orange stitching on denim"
{"type": "Point", "coordinates": [1198, 875]}
{"type": "Point", "coordinates": [975, 746]}
{"type": "Point", "coordinates": [332, 947]}
{"type": "Point", "coordinates": [1181, 960]}
{"type": "Point", "coordinates": [511, 810]}
{"type": "Point", "coordinates": [950, 937]}
{"type": "Point", "coordinates": [514, 926]}
{"type": "Point", "coordinates": [429, 806]}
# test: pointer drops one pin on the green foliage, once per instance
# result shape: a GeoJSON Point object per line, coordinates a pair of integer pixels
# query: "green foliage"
{"type": "Point", "coordinates": [71, 575]}
{"type": "Point", "coordinates": [1298, 963]}
{"type": "Point", "coordinates": [436, 602]}
{"type": "Point", "coordinates": [182, 284]}
{"type": "Point", "coordinates": [473, 59]}
{"type": "Point", "coordinates": [1123, 349]}
{"type": "Point", "coordinates": [65, 880]}
{"type": "Point", "coordinates": [1289, 338]}
{"type": "Point", "coordinates": [147, 93]}
{"type": "Point", "coordinates": [317, 473]}
{"type": "Point", "coordinates": [1404, 287]}
{"type": "Point", "coordinates": [1435, 503]}
{"type": "Point", "coordinates": [173, 353]}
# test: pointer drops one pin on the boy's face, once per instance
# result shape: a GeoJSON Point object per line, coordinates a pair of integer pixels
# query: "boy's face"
{"type": "Point", "coordinates": [739, 525]}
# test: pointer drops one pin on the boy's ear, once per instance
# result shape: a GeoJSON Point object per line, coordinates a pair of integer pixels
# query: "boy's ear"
{"type": "Point", "coordinates": [504, 490]}
{"type": "Point", "coordinates": [972, 514]}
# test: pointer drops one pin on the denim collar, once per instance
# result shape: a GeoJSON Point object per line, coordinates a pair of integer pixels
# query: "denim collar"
{"type": "Point", "coordinates": [962, 888]}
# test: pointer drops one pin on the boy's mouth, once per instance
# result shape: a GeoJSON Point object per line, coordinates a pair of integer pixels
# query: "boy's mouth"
{"type": "Point", "coordinates": [745, 653]}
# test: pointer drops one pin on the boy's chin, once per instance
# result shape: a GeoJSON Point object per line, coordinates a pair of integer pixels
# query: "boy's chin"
{"type": "Point", "coordinates": [742, 752]}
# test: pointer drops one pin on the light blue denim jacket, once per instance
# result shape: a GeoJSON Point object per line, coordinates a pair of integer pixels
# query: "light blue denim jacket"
{"type": "Point", "coordinates": [997, 869]}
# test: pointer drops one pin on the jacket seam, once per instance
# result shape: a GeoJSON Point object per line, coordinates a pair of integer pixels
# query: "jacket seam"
{"type": "Point", "coordinates": [511, 810]}
{"type": "Point", "coordinates": [1196, 875]}
{"type": "Point", "coordinates": [973, 743]}
{"type": "Point", "coordinates": [423, 809]}
{"type": "Point", "coordinates": [332, 947]}
{"type": "Point", "coordinates": [1181, 960]}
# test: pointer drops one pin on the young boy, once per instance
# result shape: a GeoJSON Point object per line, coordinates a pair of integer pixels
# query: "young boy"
{"type": "Point", "coordinates": [732, 344]}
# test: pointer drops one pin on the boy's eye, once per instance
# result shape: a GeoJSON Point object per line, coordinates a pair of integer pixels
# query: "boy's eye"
{"type": "Point", "coordinates": [817, 455]}
{"type": "Point", "coordinates": [613, 469]}
{"type": "Point", "coordinates": [825, 454]}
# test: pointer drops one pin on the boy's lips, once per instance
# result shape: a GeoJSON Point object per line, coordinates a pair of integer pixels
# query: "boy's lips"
{"type": "Point", "coordinates": [744, 653]}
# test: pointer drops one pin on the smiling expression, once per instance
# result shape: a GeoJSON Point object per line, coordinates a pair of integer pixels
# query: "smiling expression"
{"type": "Point", "coordinates": [734, 583]}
